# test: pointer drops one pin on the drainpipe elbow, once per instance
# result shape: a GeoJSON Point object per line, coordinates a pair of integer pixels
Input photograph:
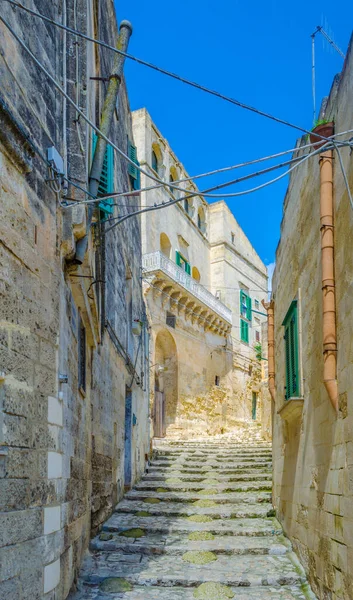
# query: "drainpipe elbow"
{"type": "Point", "coordinates": [331, 386]}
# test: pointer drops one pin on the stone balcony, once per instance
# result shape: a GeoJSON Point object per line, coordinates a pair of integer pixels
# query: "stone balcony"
{"type": "Point", "coordinates": [183, 295]}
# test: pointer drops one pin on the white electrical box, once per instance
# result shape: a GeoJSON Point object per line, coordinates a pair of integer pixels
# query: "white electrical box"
{"type": "Point", "coordinates": [56, 160]}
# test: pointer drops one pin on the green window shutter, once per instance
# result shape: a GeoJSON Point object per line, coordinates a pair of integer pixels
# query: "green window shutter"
{"type": "Point", "coordinates": [188, 268]}
{"type": "Point", "coordinates": [291, 353]}
{"type": "Point", "coordinates": [177, 258]}
{"type": "Point", "coordinates": [106, 182]}
{"type": "Point", "coordinates": [248, 308]}
{"type": "Point", "coordinates": [133, 171]}
{"type": "Point", "coordinates": [244, 331]}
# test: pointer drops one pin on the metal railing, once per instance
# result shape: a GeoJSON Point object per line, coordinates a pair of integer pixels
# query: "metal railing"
{"type": "Point", "coordinates": [156, 261]}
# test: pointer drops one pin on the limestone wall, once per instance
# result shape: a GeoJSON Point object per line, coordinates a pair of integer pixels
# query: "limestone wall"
{"type": "Point", "coordinates": [61, 447]}
{"type": "Point", "coordinates": [313, 459]}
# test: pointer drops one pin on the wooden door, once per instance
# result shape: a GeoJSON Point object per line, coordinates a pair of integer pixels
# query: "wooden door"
{"type": "Point", "coordinates": [159, 414]}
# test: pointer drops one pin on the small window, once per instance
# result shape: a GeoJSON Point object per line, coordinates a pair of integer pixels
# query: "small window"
{"type": "Point", "coordinates": [134, 172]}
{"type": "Point", "coordinates": [186, 205]}
{"type": "Point", "coordinates": [171, 320]}
{"type": "Point", "coordinates": [106, 182]}
{"type": "Point", "coordinates": [291, 352]}
{"type": "Point", "coordinates": [81, 357]}
{"type": "Point", "coordinates": [257, 336]}
{"type": "Point", "coordinates": [217, 380]}
{"type": "Point", "coordinates": [154, 161]}
{"type": "Point", "coordinates": [183, 263]}
{"type": "Point", "coordinates": [245, 306]}
{"type": "Point", "coordinates": [233, 237]}
{"type": "Point", "coordinates": [244, 331]}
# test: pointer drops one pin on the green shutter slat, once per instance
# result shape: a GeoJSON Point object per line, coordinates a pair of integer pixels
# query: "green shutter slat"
{"type": "Point", "coordinates": [244, 331]}
{"type": "Point", "coordinates": [106, 182]}
{"type": "Point", "coordinates": [188, 268]}
{"type": "Point", "coordinates": [132, 154]}
{"type": "Point", "coordinates": [177, 258]}
{"type": "Point", "coordinates": [248, 308]}
{"type": "Point", "coordinates": [292, 354]}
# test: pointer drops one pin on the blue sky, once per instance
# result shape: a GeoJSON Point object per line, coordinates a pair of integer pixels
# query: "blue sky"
{"type": "Point", "coordinates": [258, 52]}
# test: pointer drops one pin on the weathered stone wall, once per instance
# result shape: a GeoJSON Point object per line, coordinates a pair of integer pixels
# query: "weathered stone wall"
{"type": "Point", "coordinates": [62, 449]}
{"type": "Point", "coordinates": [313, 458]}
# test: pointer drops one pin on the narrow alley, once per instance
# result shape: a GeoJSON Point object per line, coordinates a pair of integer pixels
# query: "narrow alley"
{"type": "Point", "coordinates": [199, 524]}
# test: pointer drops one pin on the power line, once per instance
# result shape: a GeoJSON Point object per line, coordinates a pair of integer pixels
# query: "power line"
{"type": "Point", "coordinates": [171, 202]}
{"type": "Point", "coordinates": [163, 71]}
{"type": "Point", "coordinates": [97, 130]}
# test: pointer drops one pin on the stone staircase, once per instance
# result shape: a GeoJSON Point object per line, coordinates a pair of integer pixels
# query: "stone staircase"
{"type": "Point", "coordinates": [200, 524]}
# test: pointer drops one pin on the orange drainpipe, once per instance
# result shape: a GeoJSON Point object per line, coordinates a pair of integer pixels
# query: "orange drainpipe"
{"type": "Point", "coordinates": [270, 308]}
{"type": "Point", "coordinates": [328, 277]}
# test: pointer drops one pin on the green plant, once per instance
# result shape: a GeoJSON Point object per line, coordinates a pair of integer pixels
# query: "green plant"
{"type": "Point", "coordinates": [320, 122]}
{"type": "Point", "coordinates": [258, 351]}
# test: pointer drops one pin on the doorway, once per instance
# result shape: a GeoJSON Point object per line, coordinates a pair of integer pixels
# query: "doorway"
{"type": "Point", "coordinates": [165, 383]}
{"type": "Point", "coordinates": [128, 438]}
{"type": "Point", "coordinates": [254, 406]}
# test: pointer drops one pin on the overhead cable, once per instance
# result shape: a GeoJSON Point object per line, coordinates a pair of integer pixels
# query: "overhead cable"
{"type": "Point", "coordinates": [163, 71]}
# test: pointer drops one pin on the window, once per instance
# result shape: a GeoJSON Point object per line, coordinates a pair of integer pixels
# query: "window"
{"type": "Point", "coordinates": [165, 245]}
{"type": "Point", "coordinates": [183, 263]}
{"type": "Point", "coordinates": [81, 357]}
{"type": "Point", "coordinates": [201, 220]}
{"type": "Point", "coordinates": [257, 336]}
{"type": "Point", "coordinates": [154, 161]}
{"type": "Point", "coordinates": [291, 352]}
{"type": "Point", "coordinates": [171, 320]}
{"type": "Point", "coordinates": [196, 274]}
{"type": "Point", "coordinates": [244, 331]}
{"type": "Point", "coordinates": [186, 205]}
{"type": "Point", "coordinates": [134, 173]}
{"type": "Point", "coordinates": [245, 306]}
{"type": "Point", "coordinates": [233, 237]}
{"type": "Point", "coordinates": [257, 304]}
{"type": "Point", "coordinates": [217, 380]}
{"type": "Point", "coordinates": [106, 182]}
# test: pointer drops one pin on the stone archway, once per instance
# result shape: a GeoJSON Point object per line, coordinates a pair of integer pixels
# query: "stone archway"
{"type": "Point", "coordinates": [165, 383]}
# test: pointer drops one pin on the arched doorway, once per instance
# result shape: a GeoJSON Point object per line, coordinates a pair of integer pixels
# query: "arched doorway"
{"type": "Point", "coordinates": [165, 383]}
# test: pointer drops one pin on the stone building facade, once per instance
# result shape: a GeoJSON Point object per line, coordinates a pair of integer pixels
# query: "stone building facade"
{"type": "Point", "coordinates": [312, 443]}
{"type": "Point", "coordinates": [73, 335]}
{"type": "Point", "coordinates": [196, 263]}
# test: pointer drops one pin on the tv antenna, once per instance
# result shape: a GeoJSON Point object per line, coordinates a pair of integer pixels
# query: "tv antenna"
{"type": "Point", "coordinates": [321, 30]}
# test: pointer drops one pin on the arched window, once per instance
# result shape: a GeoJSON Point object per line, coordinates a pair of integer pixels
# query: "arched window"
{"type": "Point", "coordinates": [196, 274]}
{"type": "Point", "coordinates": [154, 161]}
{"type": "Point", "coordinates": [165, 245]}
{"type": "Point", "coordinates": [201, 220]}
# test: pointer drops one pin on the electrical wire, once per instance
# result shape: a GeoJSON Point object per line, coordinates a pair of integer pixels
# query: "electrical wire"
{"type": "Point", "coordinates": [345, 176]}
{"type": "Point", "coordinates": [97, 130]}
{"type": "Point", "coordinates": [163, 71]}
{"type": "Point", "coordinates": [171, 202]}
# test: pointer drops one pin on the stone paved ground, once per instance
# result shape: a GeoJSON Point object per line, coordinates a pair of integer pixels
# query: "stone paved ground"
{"type": "Point", "coordinates": [200, 524]}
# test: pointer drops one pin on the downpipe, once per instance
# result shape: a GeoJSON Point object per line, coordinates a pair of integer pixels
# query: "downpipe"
{"type": "Point", "coordinates": [329, 330]}
{"type": "Point", "coordinates": [270, 308]}
{"type": "Point", "coordinates": [106, 120]}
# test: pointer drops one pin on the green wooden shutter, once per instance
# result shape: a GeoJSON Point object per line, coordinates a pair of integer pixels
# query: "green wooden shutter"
{"type": "Point", "coordinates": [133, 171]}
{"type": "Point", "coordinates": [244, 331]}
{"type": "Point", "coordinates": [291, 353]}
{"type": "Point", "coordinates": [188, 268]}
{"type": "Point", "coordinates": [177, 258]}
{"type": "Point", "coordinates": [248, 308]}
{"type": "Point", "coordinates": [106, 182]}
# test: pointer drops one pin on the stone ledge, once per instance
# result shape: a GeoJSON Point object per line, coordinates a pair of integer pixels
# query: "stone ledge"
{"type": "Point", "coordinates": [291, 409]}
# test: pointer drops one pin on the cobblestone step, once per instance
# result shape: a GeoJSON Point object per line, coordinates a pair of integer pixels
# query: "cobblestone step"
{"type": "Point", "coordinates": [179, 509]}
{"type": "Point", "coordinates": [151, 477]}
{"type": "Point", "coordinates": [240, 526]}
{"type": "Point", "coordinates": [177, 593]}
{"type": "Point", "coordinates": [177, 544]}
{"type": "Point", "coordinates": [200, 515]}
{"type": "Point", "coordinates": [232, 497]}
{"type": "Point", "coordinates": [173, 571]}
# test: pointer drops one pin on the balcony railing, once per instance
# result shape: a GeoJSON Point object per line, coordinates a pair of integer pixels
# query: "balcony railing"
{"type": "Point", "coordinates": [156, 261]}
